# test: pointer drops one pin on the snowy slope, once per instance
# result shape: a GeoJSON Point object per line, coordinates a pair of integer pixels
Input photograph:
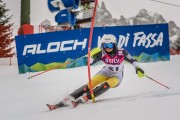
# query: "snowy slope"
{"type": "Point", "coordinates": [134, 99]}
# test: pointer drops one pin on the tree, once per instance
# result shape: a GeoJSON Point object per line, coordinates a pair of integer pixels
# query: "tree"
{"type": "Point", "coordinates": [5, 32]}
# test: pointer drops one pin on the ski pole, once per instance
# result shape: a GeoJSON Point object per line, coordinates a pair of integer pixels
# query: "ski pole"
{"type": "Point", "coordinates": [157, 82]}
{"type": "Point", "coordinates": [48, 70]}
{"type": "Point", "coordinates": [66, 63]}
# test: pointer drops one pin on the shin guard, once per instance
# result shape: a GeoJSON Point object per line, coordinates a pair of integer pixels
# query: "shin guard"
{"type": "Point", "coordinates": [99, 90]}
{"type": "Point", "coordinates": [79, 92]}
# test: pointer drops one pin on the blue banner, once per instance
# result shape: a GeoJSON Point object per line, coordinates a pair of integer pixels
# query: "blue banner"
{"type": "Point", "coordinates": [41, 51]}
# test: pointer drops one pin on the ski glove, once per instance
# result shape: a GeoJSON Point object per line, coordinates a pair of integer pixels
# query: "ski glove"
{"type": "Point", "coordinates": [139, 72]}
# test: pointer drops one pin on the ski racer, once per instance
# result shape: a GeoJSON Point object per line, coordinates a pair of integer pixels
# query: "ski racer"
{"type": "Point", "coordinates": [110, 76]}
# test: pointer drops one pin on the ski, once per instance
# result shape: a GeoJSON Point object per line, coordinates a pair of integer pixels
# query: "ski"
{"type": "Point", "coordinates": [71, 103]}
{"type": "Point", "coordinates": [51, 107]}
{"type": "Point", "coordinates": [76, 103]}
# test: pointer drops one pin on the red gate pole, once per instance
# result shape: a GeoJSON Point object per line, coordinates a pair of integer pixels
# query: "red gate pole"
{"type": "Point", "coordinates": [89, 49]}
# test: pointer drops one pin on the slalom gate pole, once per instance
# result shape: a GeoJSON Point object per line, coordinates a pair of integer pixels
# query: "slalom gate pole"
{"type": "Point", "coordinates": [89, 49]}
{"type": "Point", "coordinates": [158, 82]}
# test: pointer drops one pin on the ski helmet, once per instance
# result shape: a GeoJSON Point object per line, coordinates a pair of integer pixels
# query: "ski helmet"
{"type": "Point", "coordinates": [108, 38]}
{"type": "Point", "coordinates": [109, 41]}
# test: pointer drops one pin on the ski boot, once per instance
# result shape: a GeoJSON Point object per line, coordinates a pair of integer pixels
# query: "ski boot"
{"type": "Point", "coordinates": [81, 100]}
{"type": "Point", "coordinates": [53, 107]}
{"type": "Point", "coordinates": [65, 102]}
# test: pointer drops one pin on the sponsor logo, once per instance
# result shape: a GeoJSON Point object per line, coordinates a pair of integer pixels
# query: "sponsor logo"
{"type": "Point", "coordinates": [54, 47]}
{"type": "Point", "coordinates": [113, 60]}
{"type": "Point", "coordinates": [148, 41]}
{"type": "Point", "coordinates": [140, 39]}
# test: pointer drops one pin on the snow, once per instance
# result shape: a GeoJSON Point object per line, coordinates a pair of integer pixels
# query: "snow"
{"type": "Point", "coordinates": [134, 99]}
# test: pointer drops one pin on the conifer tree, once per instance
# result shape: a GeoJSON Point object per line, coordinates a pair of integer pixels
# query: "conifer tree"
{"type": "Point", "coordinates": [5, 32]}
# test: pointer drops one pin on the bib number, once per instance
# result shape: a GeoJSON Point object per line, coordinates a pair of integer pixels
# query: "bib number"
{"type": "Point", "coordinates": [113, 68]}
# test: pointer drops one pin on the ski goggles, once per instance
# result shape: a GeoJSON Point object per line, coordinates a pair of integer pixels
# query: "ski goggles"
{"type": "Point", "coordinates": [108, 45]}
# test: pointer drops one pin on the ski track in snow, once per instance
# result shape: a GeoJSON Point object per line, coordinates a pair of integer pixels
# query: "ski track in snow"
{"type": "Point", "coordinates": [134, 98]}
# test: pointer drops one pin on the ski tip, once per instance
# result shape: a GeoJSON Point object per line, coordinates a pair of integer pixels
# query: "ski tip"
{"type": "Point", "coordinates": [49, 107]}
